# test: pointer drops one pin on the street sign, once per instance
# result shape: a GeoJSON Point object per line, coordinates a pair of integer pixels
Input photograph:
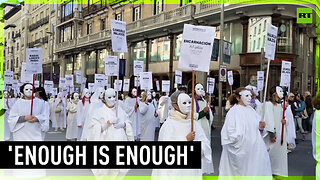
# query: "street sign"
{"type": "Point", "coordinates": [223, 73]}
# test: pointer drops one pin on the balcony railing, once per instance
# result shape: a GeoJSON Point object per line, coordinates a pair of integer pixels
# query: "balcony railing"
{"type": "Point", "coordinates": [39, 41]}
{"type": "Point", "coordinates": [39, 23]}
{"type": "Point", "coordinates": [92, 9]}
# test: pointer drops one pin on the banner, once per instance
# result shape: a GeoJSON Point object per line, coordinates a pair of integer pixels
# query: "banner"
{"type": "Point", "coordinates": [196, 47]}
{"type": "Point", "coordinates": [99, 80]}
{"type": "Point", "coordinates": [36, 84]}
{"type": "Point", "coordinates": [136, 82]}
{"type": "Point", "coordinates": [91, 87]}
{"type": "Point", "coordinates": [230, 78]}
{"type": "Point", "coordinates": [178, 77]}
{"type": "Point", "coordinates": [271, 42]}
{"type": "Point", "coordinates": [25, 76]}
{"type": "Point", "coordinates": [146, 80]}
{"type": "Point", "coordinates": [83, 84]}
{"type": "Point", "coordinates": [48, 86]}
{"type": "Point", "coordinates": [65, 91]}
{"type": "Point", "coordinates": [126, 85]}
{"type": "Point", "coordinates": [62, 82]}
{"type": "Point", "coordinates": [118, 36]}
{"type": "Point", "coordinates": [226, 52]}
{"type": "Point", "coordinates": [210, 85]}
{"type": "Point", "coordinates": [78, 77]}
{"type": "Point", "coordinates": [260, 80]}
{"type": "Point", "coordinates": [69, 79]}
{"type": "Point", "coordinates": [110, 66]}
{"type": "Point", "coordinates": [54, 91]}
{"type": "Point", "coordinates": [137, 67]}
{"type": "Point", "coordinates": [8, 77]}
{"type": "Point", "coordinates": [34, 60]}
{"type": "Point", "coordinates": [285, 74]}
{"type": "Point", "coordinates": [166, 86]}
{"type": "Point", "coordinates": [117, 85]}
{"type": "Point", "coordinates": [158, 85]}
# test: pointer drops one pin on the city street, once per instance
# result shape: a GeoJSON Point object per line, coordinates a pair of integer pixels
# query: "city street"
{"type": "Point", "coordinates": [301, 162]}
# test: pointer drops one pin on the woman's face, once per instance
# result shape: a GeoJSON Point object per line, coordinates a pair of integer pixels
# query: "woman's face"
{"type": "Point", "coordinates": [37, 94]}
{"type": "Point", "coordinates": [298, 97]}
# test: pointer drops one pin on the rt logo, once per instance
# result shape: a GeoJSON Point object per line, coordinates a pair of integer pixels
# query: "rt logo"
{"type": "Point", "coordinates": [304, 15]}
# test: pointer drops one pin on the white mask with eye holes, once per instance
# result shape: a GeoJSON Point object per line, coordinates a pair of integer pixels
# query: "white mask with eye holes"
{"type": "Point", "coordinates": [134, 92]}
{"type": "Point", "coordinates": [87, 94]}
{"type": "Point", "coordinates": [246, 97]}
{"type": "Point", "coordinates": [27, 90]}
{"type": "Point", "coordinates": [76, 96]}
{"type": "Point", "coordinates": [149, 97]}
{"type": "Point", "coordinates": [279, 91]}
{"type": "Point", "coordinates": [199, 90]}
{"type": "Point", "coordinates": [154, 94]}
{"type": "Point", "coordinates": [184, 103]}
{"type": "Point", "coordinates": [100, 91]}
{"type": "Point", "coordinates": [110, 97]}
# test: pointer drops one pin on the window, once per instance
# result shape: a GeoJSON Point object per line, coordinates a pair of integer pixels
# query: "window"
{"type": "Point", "coordinates": [265, 25]}
{"type": "Point", "coordinates": [158, 6]}
{"type": "Point", "coordinates": [17, 46]}
{"type": "Point", "coordinates": [259, 29]}
{"type": "Point", "coordinates": [53, 28]}
{"type": "Point", "coordinates": [255, 31]}
{"type": "Point", "coordinates": [102, 24]}
{"type": "Point", "coordinates": [160, 50]}
{"type": "Point", "coordinates": [258, 44]}
{"type": "Point", "coordinates": [36, 36]}
{"type": "Point", "coordinates": [37, 17]}
{"type": "Point", "coordinates": [89, 28]}
{"type": "Point", "coordinates": [166, 47]}
{"type": "Point", "coordinates": [8, 35]}
{"type": "Point", "coordinates": [41, 15]}
{"type": "Point", "coordinates": [119, 16]}
{"type": "Point", "coordinates": [17, 62]}
{"type": "Point", "coordinates": [54, 7]}
{"type": "Point", "coordinates": [136, 13]}
{"type": "Point", "coordinates": [12, 34]}
{"type": "Point", "coordinates": [254, 45]}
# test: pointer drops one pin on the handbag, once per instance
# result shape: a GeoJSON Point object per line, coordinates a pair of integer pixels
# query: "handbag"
{"type": "Point", "coordinates": [58, 109]}
{"type": "Point", "coordinates": [304, 114]}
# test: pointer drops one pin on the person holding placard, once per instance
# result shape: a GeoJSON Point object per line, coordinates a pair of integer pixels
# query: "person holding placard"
{"type": "Point", "coordinates": [82, 111]}
{"type": "Point", "coordinates": [272, 111]}
{"type": "Point", "coordinates": [96, 103]}
{"type": "Point", "coordinates": [203, 113]}
{"type": "Point", "coordinates": [164, 107]}
{"type": "Point", "coordinates": [131, 108]}
{"type": "Point", "coordinates": [41, 94]}
{"type": "Point", "coordinates": [107, 126]}
{"type": "Point", "coordinates": [8, 103]}
{"type": "Point", "coordinates": [244, 152]}
{"type": "Point", "coordinates": [148, 116]}
{"type": "Point", "coordinates": [177, 128]}
{"type": "Point", "coordinates": [26, 127]}
{"type": "Point", "coordinates": [60, 118]}
{"type": "Point", "coordinates": [72, 129]}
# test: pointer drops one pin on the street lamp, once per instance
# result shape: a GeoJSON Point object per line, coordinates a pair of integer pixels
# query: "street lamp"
{"type": "Point", "coordinates": [51, 69]}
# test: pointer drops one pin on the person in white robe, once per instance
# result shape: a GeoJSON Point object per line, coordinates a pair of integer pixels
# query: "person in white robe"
{"type": "Point", "coordinates": [82, 111]}
{"type": "Point", "coordinates": [164, 107]}
{"type": "Point", "coordinates": [131, 108]}
{"type": "Point", "coordinates": [244, 152]}
{"type": "Point", "coordinates": [203, 113]}
{"type": "Point", "coordinates": [255, 93]}
{"type": "Point", "coordinates": [155, 103]}
{"type": "Point", "coordinates": [148, 116]}
{"type": "Point", "coordinates": [72, 128]}
{"type": "Point", "coordinates": [8, 103]}
{"type": "Point", "coordinates": [60, 118]}
{"type": "Point", "coordinates": [26, 127]}
{"type": "Point", "coordinates": [316, 135]}
{"type": "Point", "coordinates": [108, 125]}
{"type": "Point", "coordinates": [51, 103]}
{"type": "Point", "coordinates": [41, 94]}
{"type": "Point", "coordinates": [271, 112]}
{"type": "Point", "coordinates": [96, 103]}
{"type": "Point", "coordinates": [291, 128]}
{"type": "Point", "coordinates": [177, 127]}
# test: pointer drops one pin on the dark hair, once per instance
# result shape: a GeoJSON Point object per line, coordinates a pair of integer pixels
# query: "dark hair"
{"type": "Point", "coordinates": [233, 97]}
{"type": "Point", "coordinates": [22, 87]}
{"type": "Point", "coordinates": [301, 97]}
{"type": "Point", "coordinates": [42, 93]}
{"type": "Point", "coordinates": [130, 90]}
{"type": "Point", "coordinates": [308, 101]}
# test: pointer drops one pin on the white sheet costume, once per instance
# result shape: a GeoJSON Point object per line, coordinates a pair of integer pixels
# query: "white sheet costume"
{"type": "Point", "coordinates": [96, 103]}
{"type": "Point", "coordinates": [176, 128]}
{"type": "Point", "coordinates": [8, 103]}
{"type": "Point", "coordinates": [254, 102]}
{"type": "Point", "coordinates": [45, 126]}
{"type": "Point", "coordinates": [277, 153]}
{"type": "Point", "coordinates": [52, 112]}
{"type": "Point", "coordinates": [72, 128]}
{"type": "Point", "coordinates": [133, 115]}
{"type": "Point", "coordinates": [148, 120]}
{"type": "Point", "coordinates": [291, 128]}
{"type": "Point", "coordinates": [164, 108]}
{"type": "Point", "coordinates": [244, 151]}
{"type": "Point", "coordinates": [206, 120]}
{"type": "Point", "coordinates": [155, 105]}
{"type": "Point", "coordinates": [60, 118]}
{"type": "Point", "coordinates": [82, 111]}
{"type": "Point", "coordinates": [106, 126]}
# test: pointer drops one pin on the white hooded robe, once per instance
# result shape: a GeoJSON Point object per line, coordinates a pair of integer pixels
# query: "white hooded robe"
{"type": "Point", "coordinates": [8, 103]}
{"type": "Point", "coordinates": [60, 118]}
{"type": "Point", "coordinates": [129, 104]}
{"type": "Point", "coordinates": [148, 121]}
{"type": "Point", "coordinates": [72, 128]}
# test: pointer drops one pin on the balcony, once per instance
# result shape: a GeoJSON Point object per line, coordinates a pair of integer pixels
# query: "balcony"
{"type": "Point", "coordinates": [17, 35]}
{"type": "Point", "coordinates": [39, 23]}
{"type": "Point", "coordinates": [70, 44]}
{"type": "Point", "coordinates": [93, 9]}
{"type": "Point", "coordinates": [38, 42]}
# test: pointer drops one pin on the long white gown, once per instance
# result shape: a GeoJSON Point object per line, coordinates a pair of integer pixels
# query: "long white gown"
{"type": "Point", "coordinates": [148, 121]}
{"type": "Point", "coordinates": [8, 103]}
{"type": "Point", "coordinates": [82, 111]}
{"type": "Point", "coordinates": [60, 118]}
{"type": "Point", "coordinates": [155, 105]}
{"type": "Point", "coordinates": [164, 108]}
{"type": "Point", "coordinates": [101, 131]}
{"type": "Point", "coordinates": [204, 122]}
{"type": "Point", "coordinates": [278, 154]}
{"type": "Point", "coordinates": [176, 128]}
{"type": "Point", "coordinates": [72, 128]}
{"type": "Point", "coordinates": [315, 141]}
{"type": "Point", "coordinates": [244, 151]}
{"type": "Point", "coordinates": [291, 128]}
{"type": "Point", "coordinates": [45, 126]}
{"type": "Point", "coordinates": [129, 104]}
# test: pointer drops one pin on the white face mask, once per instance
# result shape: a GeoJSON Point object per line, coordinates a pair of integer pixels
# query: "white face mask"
{"type": "Point", "coordinates": [279, 91]}
{"type": "Point", "coordinates": [245, 97]}
{"type": "Point", "coordinates": [76, 96]}
{"type": "Point", "coordinates": [184, 103]}
{"type": "Point", "coordinates": [59, 95]}
{"type": "Point", "coordinates": [101, 91]}
{"type": "Point", "coordinates": [110, 97]}
{"type": "Point", "coordinates": [134, 92]}
{"type": "Point", "coordinates": [122, 96]}
{"type": "Point", "coordinates": [154, 94]}
{"type": "Point", "coordinates": [149, 95]}
{"type": "Point", "coordinates": [199, 90]}
{"type": "Point", "coordinates": [27, 90]}
{"type": "Point", "coordinates": [87, 94]}
{"type": "Point", "coordinates": [5, 94]}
